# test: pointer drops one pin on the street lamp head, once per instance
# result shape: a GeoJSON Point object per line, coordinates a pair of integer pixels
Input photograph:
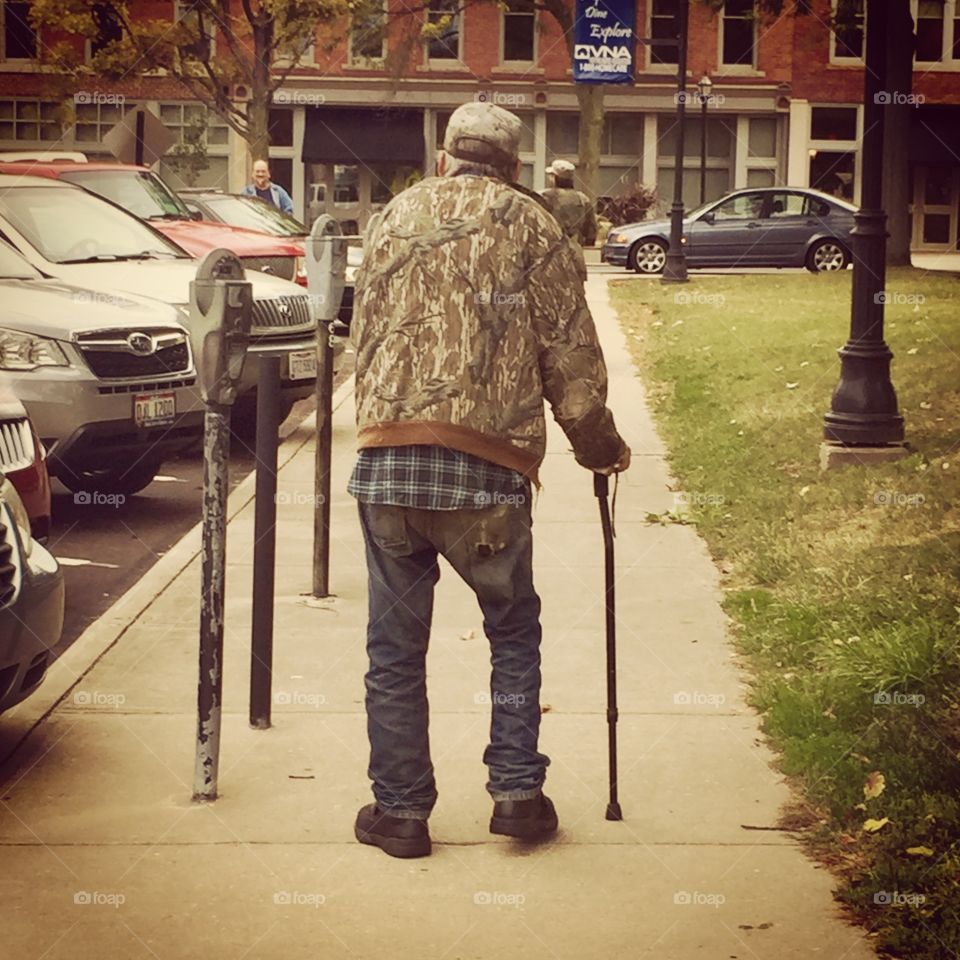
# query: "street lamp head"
{"type": "Point", "coordinates": [704, 86]}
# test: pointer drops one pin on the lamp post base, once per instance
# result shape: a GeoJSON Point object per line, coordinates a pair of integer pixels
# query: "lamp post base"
{"type": "Point", "coordinates": [834, 455]}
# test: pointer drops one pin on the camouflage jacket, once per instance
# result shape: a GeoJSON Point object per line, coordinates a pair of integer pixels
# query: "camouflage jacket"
{"type": "Point", "coordinates": [467, 316]}
{"type": "Point", "coordinates": [574, 213]}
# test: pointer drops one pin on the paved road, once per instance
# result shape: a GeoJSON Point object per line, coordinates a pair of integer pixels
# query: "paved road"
{"type": "Point", "coordinates": [104, 550]}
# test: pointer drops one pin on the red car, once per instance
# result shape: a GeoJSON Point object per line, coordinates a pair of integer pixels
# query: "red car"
{"type": "Point", "coordinates": [23, 461]}
{"type": "Point", "coordinates": [144, 194]}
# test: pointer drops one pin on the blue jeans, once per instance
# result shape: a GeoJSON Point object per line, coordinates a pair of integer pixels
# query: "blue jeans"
{"type": "Point", "coordinates": [492, 550]}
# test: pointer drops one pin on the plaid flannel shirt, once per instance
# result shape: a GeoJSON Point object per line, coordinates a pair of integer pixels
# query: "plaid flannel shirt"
{"type": "Point", "coordinates": [432, 478]}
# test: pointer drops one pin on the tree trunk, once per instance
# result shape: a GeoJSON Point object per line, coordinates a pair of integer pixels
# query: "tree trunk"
{"type": "Point", "coordinates": [897, 185]}
{"type": "Point", "coordinates": [590, 98]}
{"type": "Point", "coordinates": [261, 92]}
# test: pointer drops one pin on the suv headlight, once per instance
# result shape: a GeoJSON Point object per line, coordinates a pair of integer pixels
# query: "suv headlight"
{"type": "Point", "coordinates": [24, 351]}
{"type": "Point", "coordinates": [619, 238]}
{"type": "Point", "coordinates": [18, 511]}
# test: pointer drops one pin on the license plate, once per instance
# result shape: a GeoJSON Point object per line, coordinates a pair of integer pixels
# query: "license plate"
{"type": "Point", "coordinates": [154, 409]}
{"type": "Point", "coordinates": [302, 365]}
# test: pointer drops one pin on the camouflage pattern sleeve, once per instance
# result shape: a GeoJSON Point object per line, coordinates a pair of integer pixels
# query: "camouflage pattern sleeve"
{"type": "Point", "coordinates": [572, 368]}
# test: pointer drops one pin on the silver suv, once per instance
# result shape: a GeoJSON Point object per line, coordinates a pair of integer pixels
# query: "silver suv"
{"type": "Point", "coordinates": [68, 233]}
{"type": "Point", "coordinates": [108, 381]}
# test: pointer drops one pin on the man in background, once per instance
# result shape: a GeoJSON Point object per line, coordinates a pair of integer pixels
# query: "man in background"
{"type": "Point", "coordinates": [267, 191]}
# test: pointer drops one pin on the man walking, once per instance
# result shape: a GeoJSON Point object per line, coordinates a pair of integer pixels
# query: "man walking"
{"type": "Point", "coordinates": [267, 191]}
{"type": "Point", "coordinates": [572, 208]}
{"type": "Point", "coordinates": [468, 315]}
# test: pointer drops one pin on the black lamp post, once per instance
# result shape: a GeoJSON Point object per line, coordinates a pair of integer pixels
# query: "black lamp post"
{"type": "Point", "coordinates": [675, 269]}
{"type": "Point", "coordinates": [704, 86]}
{"type": "Point", "coordinates": [864, 410]}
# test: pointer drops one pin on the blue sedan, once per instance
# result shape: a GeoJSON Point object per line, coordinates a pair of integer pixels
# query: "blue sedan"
{"type": "Point", "coordinates": [769, 227]}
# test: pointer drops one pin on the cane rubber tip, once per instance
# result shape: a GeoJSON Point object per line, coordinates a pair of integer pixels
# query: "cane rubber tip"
{"type": "Point", "coordinates": [614, 812]}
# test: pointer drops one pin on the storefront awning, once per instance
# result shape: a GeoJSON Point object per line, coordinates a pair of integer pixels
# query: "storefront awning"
{"type": "Point", "coordinates": [364, 135]}
{"type": "Point", "coordinates": [935, 135]}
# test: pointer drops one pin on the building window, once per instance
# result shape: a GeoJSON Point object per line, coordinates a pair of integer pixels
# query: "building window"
{"type": "Point", "coordinates": [930, 17]}
{"type": "Point", "coordinates": [738, 33]}
{"type": "Point", "coordinates": [192, 15]}
{"type": "Point", "coordinates": [30, 120]}
{"type": "Point", "coordinates": [847, 35]}
{"type": "Point", "coordinates": [178, 117]}
{"type": "Point", "coordinates": [19, 37]}
{"type": "Point", "coordinates": [443, 20]}
{"type": "Point", "coordinates": [563, 135]}
{"type": "Point", "coordinates": [109, 28]}
{"type": "Point", "coordinates": [368, 37]}
{"type": "Point", "coordinates": [519, 32]}
{"type": "Point", "coordinates": [94, 120]}
{"type": "Point", "coordinates": [833, 123]}
{"type": "Point", "coordinates": [663, 26]}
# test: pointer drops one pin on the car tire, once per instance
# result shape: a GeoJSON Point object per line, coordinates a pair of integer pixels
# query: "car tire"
{"type": "Point", "coordinates": [648, 256]}
{"type": "Point", "coordinates": [126, 479]}
{"type": "Point", "coordinates": [826, 256]}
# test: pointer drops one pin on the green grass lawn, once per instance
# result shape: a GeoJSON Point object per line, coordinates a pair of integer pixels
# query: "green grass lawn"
{"type": "Point", "coordinates": [843, 585]}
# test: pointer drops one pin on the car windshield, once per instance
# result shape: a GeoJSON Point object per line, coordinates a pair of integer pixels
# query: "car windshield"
{"type": "Point", "coordinates": [141, 192]}
{"type": "Point", "coordinates": [255, 214]}
{"type": "Point", "coordinates": [67, 226]}
{"type": "Point", "coordinates": [13, 266]}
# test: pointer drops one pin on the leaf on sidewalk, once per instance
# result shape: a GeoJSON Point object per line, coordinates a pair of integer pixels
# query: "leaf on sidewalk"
{"type": "Point", "coordinates": [875, 785]}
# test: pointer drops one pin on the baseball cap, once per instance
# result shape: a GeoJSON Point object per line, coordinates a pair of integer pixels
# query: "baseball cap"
{"type": "Point", "coordinates": [563, 168]}
{"type": "Point", "coordinates": [484, 133]}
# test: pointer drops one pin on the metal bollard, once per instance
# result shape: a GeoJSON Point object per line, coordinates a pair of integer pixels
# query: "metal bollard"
{"type": "Point", "coordinates": [264, 541]}
{"type": "Point", "coordinates": [220, 315]}
{"type": "Point", "coordinates": [326, 256]}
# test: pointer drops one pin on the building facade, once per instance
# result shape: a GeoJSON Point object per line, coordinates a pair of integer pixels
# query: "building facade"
{"type": "Point", "coordinates": [365, 111]}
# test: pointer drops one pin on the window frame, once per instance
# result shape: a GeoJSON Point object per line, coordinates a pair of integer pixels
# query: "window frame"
{"type": "Point", "coordinates": [364, 62]}
{"type": "Point", "coordinates": [435, 63]}
{"type": "Point", "coordinates": [724, 67]}
{"type": "Point", "coordinates": [505, 12]}
{"type": "Point", "coordinates": [844, 61]}
{"type": "Point", "coordinates": [651, 65]}
{"type": "Point", "coordinates": [4, 58]}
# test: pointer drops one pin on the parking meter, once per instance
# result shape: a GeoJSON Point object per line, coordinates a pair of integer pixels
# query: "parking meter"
{"type": "Point", "coordinates": [221, 311]}
{"type": "Point", "coordinates": [326, 255]}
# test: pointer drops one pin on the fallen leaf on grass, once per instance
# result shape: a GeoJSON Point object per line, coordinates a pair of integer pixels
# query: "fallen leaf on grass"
{"type": "Point", "coordinates": [919, 851]}
{"type": "Point", "coordinates": [794, 385]}
{"type": "Point", "coordinates": [872, 826]}
{"type": "Point", "coordinates": [875, 785]}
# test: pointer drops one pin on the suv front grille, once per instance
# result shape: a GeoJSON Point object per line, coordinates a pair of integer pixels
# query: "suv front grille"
{"type": "Point", "coordinates": [275, 266]}
{"type": "Point", "coordinates": [8, 569]}
{"type": "Point", "coordinates": [17, 449]}
{"type": "Point", "coordinates": [111, 354]}
{"type": "Point", "coordinates": [282, 315]}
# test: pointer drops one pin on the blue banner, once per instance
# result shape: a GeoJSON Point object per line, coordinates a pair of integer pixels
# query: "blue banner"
{"type": "Point", "coordinates": [603, 43]}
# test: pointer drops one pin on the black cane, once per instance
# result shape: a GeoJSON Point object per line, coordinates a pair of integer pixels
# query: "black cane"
{"type": "Point", "coordinates": [600, 489]}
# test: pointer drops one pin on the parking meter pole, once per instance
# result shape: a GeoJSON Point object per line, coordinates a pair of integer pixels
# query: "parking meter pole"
{"type": "Point", "coordinates": [220, 313]}
{"type": "Point", "coordinates": [265, 541]}
{"type": "Point", "coordinates": [321, 503]}
{"type": "Point", "coordinates": [326, 260]}
{"type": "Point", "coordinates": [216, 457]}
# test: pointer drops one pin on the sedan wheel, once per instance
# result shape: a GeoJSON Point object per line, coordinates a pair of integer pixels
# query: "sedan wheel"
{"type": "Point", "coordinates": [648, 256]}
{"type": "Point", "coordinates": [827, 255]}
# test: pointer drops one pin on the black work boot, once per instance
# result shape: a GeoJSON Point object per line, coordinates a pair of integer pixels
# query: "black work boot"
{"type": "Point", "coordinates": [524, 819]}
{"type": "Point", "coordinates": [398, 836]}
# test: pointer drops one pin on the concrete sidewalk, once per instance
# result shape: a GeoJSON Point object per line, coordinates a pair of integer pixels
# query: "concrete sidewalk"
{"type": "Point", "coordinates": [106, 856]}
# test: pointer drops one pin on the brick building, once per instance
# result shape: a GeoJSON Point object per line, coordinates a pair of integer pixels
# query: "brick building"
{"type": "Point", "coordinates": [347, 130]}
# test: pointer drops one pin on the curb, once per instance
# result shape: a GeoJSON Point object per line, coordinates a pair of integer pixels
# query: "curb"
{"type": "Point", "coordinates": [86, 651]}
